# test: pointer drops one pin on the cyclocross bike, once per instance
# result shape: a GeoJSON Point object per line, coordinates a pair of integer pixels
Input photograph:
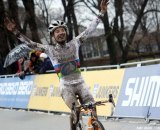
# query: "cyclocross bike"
{"type": "Point", "coordinates": [85, 110]}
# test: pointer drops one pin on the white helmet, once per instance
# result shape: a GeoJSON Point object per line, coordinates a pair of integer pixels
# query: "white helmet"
{"type": "Point", "coordinates": [57, 24]}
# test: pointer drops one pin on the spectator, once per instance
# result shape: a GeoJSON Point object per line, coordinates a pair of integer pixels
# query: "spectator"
{"type": "Point", "coordinates": [35, 62]}
{"type": "Point", "coordinates": [46, 63]}
{"type": "Point", "coordinates": [22, 67]}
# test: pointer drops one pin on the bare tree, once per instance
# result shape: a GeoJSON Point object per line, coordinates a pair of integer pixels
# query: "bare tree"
{"type": "Point", "coordinates": [13, 12]}
{"type": "Point", "coordinates": [70, 18]}
{"type": "Point", "coordinates": [44, 8]}
{"type": "Point", "coordinates": [140, 12]}
{"type": "Point", "coordinates": [120, 36]}
{"type": "Point", "coordinates": [30, 13]}
{"type": "Point", "coordinates": [109, 33]}
{"type": "Point", "coordinates": [3, 42]}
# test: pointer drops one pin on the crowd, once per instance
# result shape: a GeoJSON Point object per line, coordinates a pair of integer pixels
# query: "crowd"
{"type": "Point", "coordinates": [36, 63]}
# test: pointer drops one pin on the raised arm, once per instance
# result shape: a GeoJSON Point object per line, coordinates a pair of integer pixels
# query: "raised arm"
{"type": "Point", "coordinates": [11, 26]}
{"type": "Point", "coordinates": [92, 27]}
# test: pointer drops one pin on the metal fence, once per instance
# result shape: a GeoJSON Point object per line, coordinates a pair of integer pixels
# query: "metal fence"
{"type": "Point", "coordinates": [124, 65]}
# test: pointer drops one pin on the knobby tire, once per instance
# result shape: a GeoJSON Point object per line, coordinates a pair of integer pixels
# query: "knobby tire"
{"type": "Point", "coordinates": [97, 125]}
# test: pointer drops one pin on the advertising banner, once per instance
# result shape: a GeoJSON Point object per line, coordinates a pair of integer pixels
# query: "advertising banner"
{"type": "Point", "coordinates": [15, 92]}
{"type": "Point", "coordinates": [154, 112]}
{"type": "Point", "coordinates": [140, 93]}
{"type": "Point", "coordinates": [102, 83]}
{"type": "Point", "coordinates": [46, 92]}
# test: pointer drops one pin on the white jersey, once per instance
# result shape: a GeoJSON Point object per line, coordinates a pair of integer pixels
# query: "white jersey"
{"type": "Point", "coordinates": [65, 58]}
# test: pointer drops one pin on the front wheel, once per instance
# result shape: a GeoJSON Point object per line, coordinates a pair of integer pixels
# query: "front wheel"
{"type": "Point", "coordinates": [74, 124]}
{"type": "Point", "coordinates": [97, 125]}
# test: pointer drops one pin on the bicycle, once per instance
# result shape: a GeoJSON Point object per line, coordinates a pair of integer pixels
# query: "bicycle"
{"type": "Point", "coordinates": [77, 113]}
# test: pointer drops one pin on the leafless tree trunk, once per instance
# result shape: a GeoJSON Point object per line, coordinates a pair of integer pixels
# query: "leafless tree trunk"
{"type": "Point", "coordinates": [157, 28]}
{"type": "Point", "coordinates": [3, 34]}
{"type": "Point", "coordinates": [44, 10]}
{"type": "Point", "coordinates": [70, 17]}
{"type": "Point", "coordinates": [29, 7]}
{"type": "Point", "coordinates": [134, 29]}
{"type": "Point", "coordinates": [13, 11]}
{"type": "Point", "coordinates": [67, 16]}
{"type": "Point", "coordinates": [4, 48]}
{"type": "Point", "coordinates": [110, 34]}
{"type": "Point", "coordinates": [24, 28]}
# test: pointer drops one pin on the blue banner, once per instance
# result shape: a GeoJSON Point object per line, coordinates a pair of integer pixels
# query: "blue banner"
{"type": "Point", "coordinates": [14, 92]}
{"type": "Point", "coordinates": [140, 93]}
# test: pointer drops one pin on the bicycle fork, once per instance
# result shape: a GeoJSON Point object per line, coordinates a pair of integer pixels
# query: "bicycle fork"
{"type": "Point", "coordinates": [90, 124]}
{"type": "Point", "coordinates": [91, 119]}
{"type": "Point", "coordinates": [90, 127]}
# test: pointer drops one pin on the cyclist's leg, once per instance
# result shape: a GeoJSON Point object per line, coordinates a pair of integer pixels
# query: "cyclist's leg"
{"type": "Point", "coordinates": [85, 95]}
{"type": "Point", "coordinates": [68, 95]}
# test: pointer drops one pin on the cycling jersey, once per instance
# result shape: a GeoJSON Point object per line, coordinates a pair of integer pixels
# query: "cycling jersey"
{"type": "Point", "coordinates": [65, 58]}
{"type": "Point", "coordinates": [66, 62]}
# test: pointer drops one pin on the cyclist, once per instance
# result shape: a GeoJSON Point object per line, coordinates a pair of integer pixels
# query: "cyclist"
{"type": "Point", "coordinates": [64, 56]}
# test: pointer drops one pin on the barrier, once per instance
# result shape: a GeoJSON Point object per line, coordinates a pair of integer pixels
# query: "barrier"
{"type": "Point", "coordinates": [46, 94]}
{"type": "Point", "coordinates": [136, 90]}
{"type": "Point", "coordinates": [102, 83]}
{"type": "Point", "coordinates": [15, 93]}
{"type": "Point", "coordinates": [139, 95]}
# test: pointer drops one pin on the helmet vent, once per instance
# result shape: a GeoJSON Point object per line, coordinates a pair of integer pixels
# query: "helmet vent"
{"type": "Point", "coordinates": [62, 23]}
{"type": "Point", "coordinates": [55, 24]}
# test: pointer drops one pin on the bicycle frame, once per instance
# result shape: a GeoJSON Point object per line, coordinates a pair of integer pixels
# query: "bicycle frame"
{"type": "Point", "coordinates": [86, 110]}
{"type": "Point", "coordinates": [89, 113]}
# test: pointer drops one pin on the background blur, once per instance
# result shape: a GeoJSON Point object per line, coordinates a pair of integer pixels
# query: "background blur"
{"type": "Point", "coordinates": [129, 31]}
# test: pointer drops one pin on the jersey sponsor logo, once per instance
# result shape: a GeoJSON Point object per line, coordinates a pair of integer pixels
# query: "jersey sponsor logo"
{"type": "Point", "coordinates": [142, 91]}
{"type": "Point", "coordinates": [69, 68]}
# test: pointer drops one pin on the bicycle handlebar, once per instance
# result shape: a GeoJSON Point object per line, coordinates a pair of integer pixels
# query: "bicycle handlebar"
{"type": "Point", "coordinates": [84, 106]}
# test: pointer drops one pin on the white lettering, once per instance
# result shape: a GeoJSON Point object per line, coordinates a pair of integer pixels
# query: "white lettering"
{"type": "Point", "coordinates": [16, 88]}
{"type": "Point", "coordinates": [25, 88]}
{"type": "Point", "coordinates": [137, 92]}
{"type": "Point", "coordinates": [155, 84]}
{"type": "Point", "coordinates": [156, 96]}
{"type": "Point", "coordinates": [143, 91]}
{"type": "Point", "coordinates": [158, 101]}
{"type": "Point", "coordinates": [129, 91]}
{"type": "Point", "coordinates": [134, 94]}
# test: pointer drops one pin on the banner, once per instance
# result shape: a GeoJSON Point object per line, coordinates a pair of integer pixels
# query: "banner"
{"type": "Point", "coordinates": [14, 92]}
{"type": "Point", "coordinates": [136, 91]}
{"type": "Point", "coordinates": [102, 83]}
{"type": "Point", "coordinates": [140, 93]}
{"type": "Point", "coordinates": [154, 112]}
{"type": "Point", "coordinates": [46, 94]}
